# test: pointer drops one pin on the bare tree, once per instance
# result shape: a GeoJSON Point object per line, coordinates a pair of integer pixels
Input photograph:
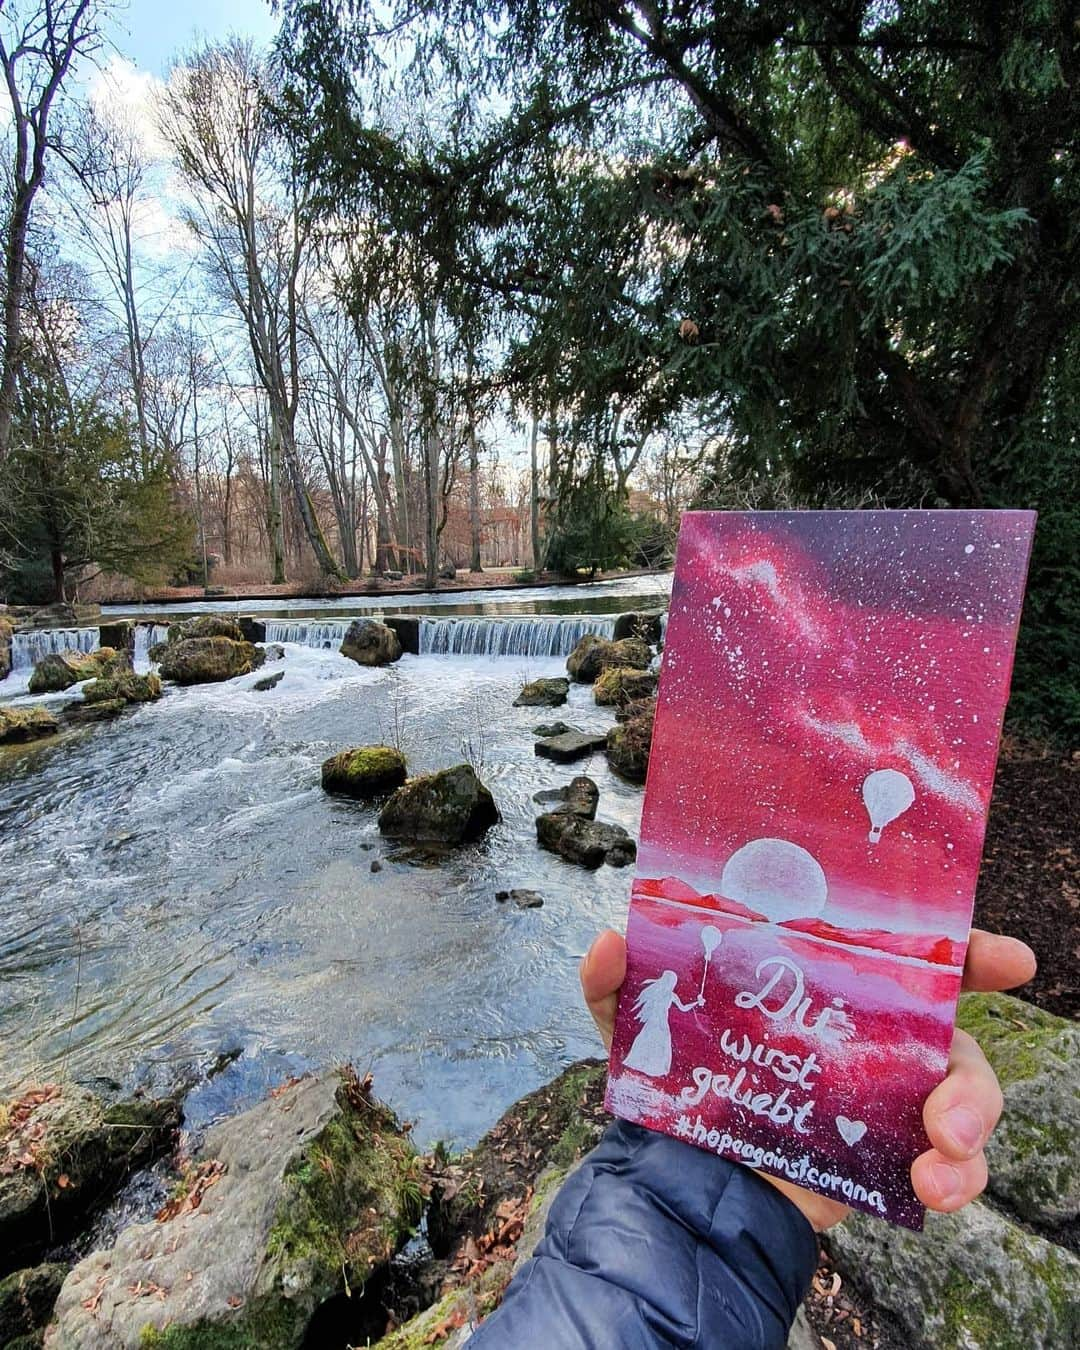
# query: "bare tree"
{"type": "Point", "coordinates": [249, 217]}
{"type": "Point", "coordinates": [39, 43]}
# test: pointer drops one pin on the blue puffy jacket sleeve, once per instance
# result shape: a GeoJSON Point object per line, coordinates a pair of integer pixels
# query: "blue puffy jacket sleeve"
{"type": "Point", "coordinates": [651, 1243]}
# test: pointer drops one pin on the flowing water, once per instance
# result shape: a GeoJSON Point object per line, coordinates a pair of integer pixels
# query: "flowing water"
{"type": "Point", "coordinates": [176, 885]}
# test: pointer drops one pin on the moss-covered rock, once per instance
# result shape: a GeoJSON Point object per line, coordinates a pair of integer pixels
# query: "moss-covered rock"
{"type": "Point", "coordinates": [26, 1301]}
{"type": "Point", "coordinates": [208, 660]}
{"type": "Point", "coordinates": [124, 686]}
{"type": "Point", "coordinates": [594, 654]}
{"type": "Point", "coordinates": [206, 626]}
{"type": "Point", "coordinates": [370, 643]}
{"type": "Point", "coordinates": [303, 1197]}
{"type": "Point", "coordinates": [1034, 1154]}
{"type": "Point", "coordinates": [83, 714]}
{"type": "Point", "coordinates": [543, 694]}
{"type": "Point", "coordinates": [619, 685]}
{"type": "Point", "coordinates": [366, 771]}
{"type": "Point", "coordinates": [448, 807]}
{"type": "Point", "coordinates": [25, 724]}
{"type": "Point", "coordinates": [68, 1150]}
{"type": "Point", "coordinates": [970, 1281]}
{"type": "Point", "coordinates": [61, 670]}
{"type": "Point", "coordinates": [644, 624]}
{"type": "Point", "coordinates": [629, 742]}
{"type": "Point", "coordinates": [6, 630]}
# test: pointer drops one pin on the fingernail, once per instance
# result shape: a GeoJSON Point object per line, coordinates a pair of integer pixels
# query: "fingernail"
{"type": "Point", "coordinates": [946, 1180]}
{"type": "Point", "coordinates": [964, 1127]}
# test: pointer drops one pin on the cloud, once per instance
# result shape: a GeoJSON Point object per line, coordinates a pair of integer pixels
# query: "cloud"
{"type": "Point", "coordinates": [123, 93]}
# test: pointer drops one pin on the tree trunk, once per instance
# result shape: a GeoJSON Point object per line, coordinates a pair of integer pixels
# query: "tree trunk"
{"type": "Point", "coordinates": [475, 533]}
{"type": "Point", "coordinates": [275, 521]}
{"type": "Point", "coordinates": [534, 491]}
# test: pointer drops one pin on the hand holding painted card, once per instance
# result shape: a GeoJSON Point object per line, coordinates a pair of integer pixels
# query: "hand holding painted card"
{"type": "Point", "coordinates": [824, 748]}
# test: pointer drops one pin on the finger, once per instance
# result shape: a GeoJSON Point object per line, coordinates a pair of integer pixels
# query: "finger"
{"type": "Point", "coordinates": [961, 1111]}
{"type": "Point", "coordinates": [944, 1184]}
{"type": "Point", "coordinates": [997, 962]}
{"type": "Point", "coordinates": [602, 973]}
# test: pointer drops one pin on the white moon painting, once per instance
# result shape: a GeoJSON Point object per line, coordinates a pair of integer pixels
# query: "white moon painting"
{"type": "Point", "coordinates": [777, 878]}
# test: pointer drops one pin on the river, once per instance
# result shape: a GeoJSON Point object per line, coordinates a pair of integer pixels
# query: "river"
{"type": "Point", "coordinates": [176, 885]}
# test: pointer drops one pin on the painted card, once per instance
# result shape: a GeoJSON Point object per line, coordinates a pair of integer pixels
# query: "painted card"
{"type": "Point", "coordinates": [826, 733]}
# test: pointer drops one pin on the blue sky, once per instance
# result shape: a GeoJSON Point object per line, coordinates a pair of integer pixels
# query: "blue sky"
{"type": "Point", "coordinates": [152, 32]}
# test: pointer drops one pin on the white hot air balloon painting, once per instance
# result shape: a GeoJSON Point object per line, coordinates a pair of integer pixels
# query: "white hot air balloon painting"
{"type": "Point", "coordinates": [886, 793]}
{"type": "Point", "coordinates": [711, 938]}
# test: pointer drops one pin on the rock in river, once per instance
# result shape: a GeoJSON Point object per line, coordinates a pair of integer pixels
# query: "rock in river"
{"type": "Point", "coordinates": [629, 742]}
{"type": "Point", "coordinates": [26, 724]}
{"type": "Point", "coordinates": [6, 630]}
{"type": "Point", "coordinates": [543, 694]}
{"type": "Point", "coordinates": [60, 670]}
{"type": "Point", "coordinates": [589, 843]}
{"type": "Point", "coordinates": [594, 654]}
{"type": "Point", "coordinates": [300, 1199]}
{"type": "Point", "coordinates": [620, 685]}
{"type": "Point", "coordinates": [448, 807]}
{"type": "Point", "coordinates": [523, 899]}
{"type": "Point", "coordinates": [125, 686]}
{"type": "Point", "coordinates": [579, 797]}
{"type": "Point", "coordinates": [208, 660]}
{"type": "Point", "coordinates": [63, 1152]}
{"type": "Point", "coordinates": [268, 682]}
{"type": "Point", "coordinates": [206, 626]}
{"type": "Point", "coordinates": [366, 771]}
{"type": "Point", "coordinates": [370, 643]}
{"type": "Point", "coordinates": [547, 729]}
{"type": "Point", "coordinates": [644, 624]}
{"type": "Point", "coordinates": [570, 745]}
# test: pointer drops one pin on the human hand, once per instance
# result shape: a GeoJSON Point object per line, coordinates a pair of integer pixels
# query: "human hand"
{"type": "Point", "coordinates": [958, 1115]}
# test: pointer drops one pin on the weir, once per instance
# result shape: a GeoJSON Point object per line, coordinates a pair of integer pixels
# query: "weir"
{"type": "Point", "coordinates": [31, 645]}
{"type": "Point", "coordinates": [520, 635]}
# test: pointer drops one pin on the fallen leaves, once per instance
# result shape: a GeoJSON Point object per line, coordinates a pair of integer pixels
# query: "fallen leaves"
{"type": "Point", "coordinates": [441, 1330]}
{"type": "Point", "coordinates": [22, 1139]}
{"type": "Point", "coordinates": [499, 1243]}
{"type": "Point", "coordinates": [192, 1188]}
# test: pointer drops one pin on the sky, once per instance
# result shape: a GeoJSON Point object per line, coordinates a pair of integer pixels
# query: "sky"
{"type": "Point", "coordinates": [151, 32]}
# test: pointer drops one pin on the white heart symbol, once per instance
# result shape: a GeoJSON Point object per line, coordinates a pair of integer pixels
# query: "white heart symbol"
{"type": "Point", "coordinates": [851, 1131]}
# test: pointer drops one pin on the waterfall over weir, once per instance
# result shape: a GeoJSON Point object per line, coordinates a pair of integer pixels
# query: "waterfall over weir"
{"type": "Point", "coordinates": [30, 645]}
{"type": "Point", "coordinates": [519, 635]}
{"type": "Point", "coordinates": [326, 633]}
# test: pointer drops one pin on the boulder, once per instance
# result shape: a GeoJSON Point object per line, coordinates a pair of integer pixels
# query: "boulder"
{"type": "Point", "coordinates": [628, 743]}
{"type": "Point", "coordinates": [273, 651]}
{"type": "Point", "coordinates": [208, 660]}
{"type": "Point", "coordinates": [594, 654]}
{"type": "Point", "coordinates": [580, 797]}
{"type": "Point", "coordinates": [120, 635]}
{"type": "Point", "coordinates": [60, 670]}
{"type": "Point", "coordinates": [523, 899]}
{"type": "Point", "coordinates": [251, 629]}
{"type": "Point", "coordinates": [448, 807]}
{"type": "Point", "coordinates": [970, 1279]}
{"type": "Point", "coordinates": [620, 685]}
{"type": "Point", "coordinates": [570, 745]}
{"type": "Point", "coordinates": [268, 682]}
{"type": "Point", "coordinates": [25, 724]}
{"type": "Point", "coordinates": [26, 1302]}
{"type": "Point", "coordinates": [370, 643]}
{"type": "Point", "coordinates": [448, 572]}
{"type": "Point", "coordinates": [206, 626]}
{"type": "Point", "coordinates": [125, 686]}
{"type": "Point", "coordinates": [644, 624]}
{"type": "Point", "coordinates": [287, 1206]}
{"type": "Point", "coordinates": [366, 771]}
{"type": "Point", "coordinates": [6, 630]}
{"type": "Point", "coordinates": [63, 1152]}
{"type": "Point", "coordinates": [549, 729]}
{"type": "Point", "coordinates": [543, 694]}
{"type": "Point", "coordinates": [1034, 1154]}
{"type": "Point", "coordinates": [407, 629]}
{"type": "Point", "coordinates": [588, 843]}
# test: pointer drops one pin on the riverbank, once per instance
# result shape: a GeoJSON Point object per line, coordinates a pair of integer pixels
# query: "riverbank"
{"type": "Point", "coordinates": [508, 579]}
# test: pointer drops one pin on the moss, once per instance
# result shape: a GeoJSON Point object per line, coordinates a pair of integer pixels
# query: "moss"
{"type": "Point", "coordinates": [125, 686]}
{"type": "Point", "coordinates": [18, 725]}
{"type": "Point", "coordinates": [364, 771]}
{"type": "Point", "coordinates": [1015, 1037]}
{"type": "Point", "coordinates": [63, 669]}
{"type": "Point", "coordinates": [206, 626]}
{"type": "Point", "coordinates": [971, 1318]}
{"type": "Point", "coordinates": [475, 1300]}
{"type": "Point", "coordinates": [623, 684]}
{"type": "Point", "coordinates": [208, 660]}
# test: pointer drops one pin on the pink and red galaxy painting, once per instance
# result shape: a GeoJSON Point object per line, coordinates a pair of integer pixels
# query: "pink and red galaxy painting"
{"type": "Point", "coordinates": [830, 703]}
